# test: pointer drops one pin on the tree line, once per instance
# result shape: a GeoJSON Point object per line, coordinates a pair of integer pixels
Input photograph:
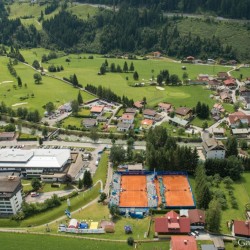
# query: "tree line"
{"type": "Point", "coordinates": [23, 113]}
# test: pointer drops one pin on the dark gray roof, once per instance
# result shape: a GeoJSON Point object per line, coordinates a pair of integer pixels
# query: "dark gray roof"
{"type": "Point", "coordinates": [211, 144]}
{"type": "Point", "coordinates": [123, 125]}
{"type": "Point", "coordinates": [89, 122]}
{"type": "Point", "coordinates": [9, 185]}
{"type": "Point", "coordinates": [208, 247]}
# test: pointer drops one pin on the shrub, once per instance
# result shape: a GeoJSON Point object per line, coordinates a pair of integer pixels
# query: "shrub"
{"type": "Point", "coordinates": [130, 241]}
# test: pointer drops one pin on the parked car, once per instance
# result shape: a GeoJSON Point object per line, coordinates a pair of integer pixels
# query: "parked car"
{"type": "Point", "coordinates": [34, 194]}
{"type": "Point", "coordinates": [193, 234]}
{"type": "Point", "coordinates": [197, 233]}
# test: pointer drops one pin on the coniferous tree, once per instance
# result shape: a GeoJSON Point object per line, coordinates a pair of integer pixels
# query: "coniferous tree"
{"type": "Point", "coordinates": [125, 67]}
{"type": "Point", "coordinates": [135, 76]}
{"type": "Point", "coordinates": [79, 98]}
{"type": "Point", "coordinates": [231, 146]}
{"type": "Point", "coordinates": [131, 67]}
{"type": "Point", "coordinates": [19, 81]}
{"type": "Point", "coordinates": [213, 216]}
{"type": "Point", "coordinates": [87, 179]}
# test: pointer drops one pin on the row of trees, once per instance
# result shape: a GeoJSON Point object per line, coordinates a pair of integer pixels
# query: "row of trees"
{"type": "Point", "coordinates": [163, 153]}
{"type": "Point", "coordinates": [232, 167]}
{"type": "Point", "coordinates": [53, 68]}
{"type": "Point", "coordinates": [109, 95]}
{"type": "Point", "coordinates": [113, 68]}
{"type": "Point", "coordinates": [23, 113]}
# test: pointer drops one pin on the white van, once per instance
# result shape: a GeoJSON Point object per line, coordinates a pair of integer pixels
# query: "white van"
{"type": "Point", "coordinates": [96, 163]}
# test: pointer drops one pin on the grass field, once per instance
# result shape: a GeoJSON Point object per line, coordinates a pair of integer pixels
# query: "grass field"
{"type": "Point", "coordinates": [12, 241]}
{"type": "Point", "coordinates": [49, 90]}
{"type": "Point", "coordinates": [244, 71]}
{"type": "Point", "coordinates": [87, 69]}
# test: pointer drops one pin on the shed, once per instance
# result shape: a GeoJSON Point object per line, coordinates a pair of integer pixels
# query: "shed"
{"type": "Point", "coordinates": [108, 226]}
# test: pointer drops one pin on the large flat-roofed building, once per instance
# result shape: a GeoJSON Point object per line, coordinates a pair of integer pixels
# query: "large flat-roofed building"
{"type": "Point", "coordinates": [10, 195]}
{"type": "Point", "coordinates": [34, 162]}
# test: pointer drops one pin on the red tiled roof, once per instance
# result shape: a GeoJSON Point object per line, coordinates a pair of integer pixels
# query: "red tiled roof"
{"type": "Point", "coordinates": [229, 81]}
{"type": "Point", "coordinates": [239, 115]}
{"type": "Point", "coordinates": [172, 223]}
{"type": "Point", "coordinates": [127, 116]}
{"type": "Point", "coordinates": [138, 104]}
{"type": "Point", "coordinates": [183, 243]}
{"type": "Point", "coordinates": [147, 122]}
{"type": "Point", "coordinates": [196, 216]}
{"type": "Point", "coordinates": [172, 214]}
{"type": "Point", "coordinates": [242, 228]}
{"type": "Point", "coordinates": [97, 109]}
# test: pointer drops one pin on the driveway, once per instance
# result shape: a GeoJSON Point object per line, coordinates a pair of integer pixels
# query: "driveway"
{"type": "Point", "coordinates": [44, 196]}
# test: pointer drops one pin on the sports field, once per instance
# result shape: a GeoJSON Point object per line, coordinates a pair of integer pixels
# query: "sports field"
{"type": "Point", "coordinates": [178, 192]}
{"type": "Point", "coordinates": [175, 188]}
{"type": "Point", "coordinates": [134, 192]}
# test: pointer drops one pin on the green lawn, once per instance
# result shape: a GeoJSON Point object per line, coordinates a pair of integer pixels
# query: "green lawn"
{"type": "Point", "coordinates": [244, 71]}
{"type": "Point", "coordinates": [47, 187]}
{"type": "Point", "coordinates": [241, 193]}
{"type": "Point", "coordinates": [73, 121]}
{"type": "Point", "coordinates": [49, 90]}
{"type": "Point", "coordinates": [97, 212]}
{"type": "Point", "coordinates": [102, 169]}
{"type": "Point", "coordinates": [11, 241]}
{"type": "Point", "coordinates": [198, 122]}
{"type": "Point", "coordinates": [87, 69]}
{"type": "Point", "coordinates": [83, 112]}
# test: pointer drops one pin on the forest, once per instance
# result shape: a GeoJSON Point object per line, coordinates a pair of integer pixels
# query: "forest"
{"type": "Point", "coordinates": [129, 30]}
{"type": "Point", "coordinates": [225, 8]}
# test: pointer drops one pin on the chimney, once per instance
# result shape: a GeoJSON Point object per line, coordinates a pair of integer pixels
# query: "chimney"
{"type": "Point", "coordinates": [200, 217]}
{"type": "Point", "coordinates": [178, 218]}
{"type": "Point", "coordinates": [185, 242]}
{"type": "Point", "coordinates": [169, 218]}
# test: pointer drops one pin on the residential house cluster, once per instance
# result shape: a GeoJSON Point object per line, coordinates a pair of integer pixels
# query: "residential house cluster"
{"type": "Point", "coordinates": [217, 111]}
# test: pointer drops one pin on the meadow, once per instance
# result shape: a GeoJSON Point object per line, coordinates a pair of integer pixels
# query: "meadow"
{"type": "Point", "coordinates": [245, 72]}
{"type": "Point", "coordinates": [11, 241]}
{"type": "Point", "coordinates": [50, 89]}
{"type": "Point", "coordinates": [87, 69]}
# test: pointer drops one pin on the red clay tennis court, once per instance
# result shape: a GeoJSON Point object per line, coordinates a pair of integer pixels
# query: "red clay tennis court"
{"type": "Point", "coordinates": [134, 193]}
{"type": "Point", "coordinates": [178, 191]}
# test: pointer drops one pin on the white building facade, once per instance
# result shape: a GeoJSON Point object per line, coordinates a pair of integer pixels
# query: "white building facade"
{"type": "Point", "coordinates": [10, 195]}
